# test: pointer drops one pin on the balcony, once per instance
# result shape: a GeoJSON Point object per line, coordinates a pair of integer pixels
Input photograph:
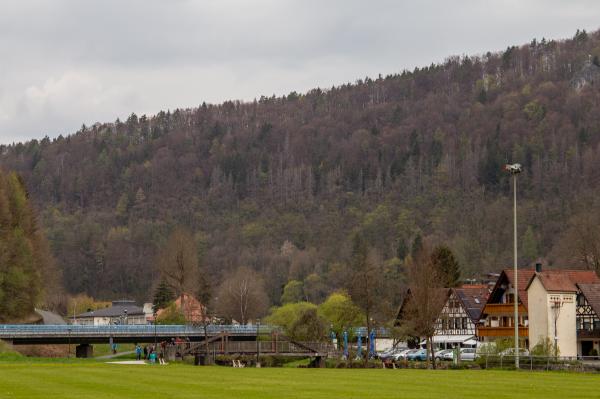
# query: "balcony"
{"type": "Point", "coordinates": [594, 334]}
{"type": "Point", "coordinates": [501, 331]}
{"type": "Point", "coordinates": [503, 308]}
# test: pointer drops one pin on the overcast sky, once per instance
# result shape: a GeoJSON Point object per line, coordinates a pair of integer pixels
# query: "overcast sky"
{"type": "Point", "coordinates": [64, 63]}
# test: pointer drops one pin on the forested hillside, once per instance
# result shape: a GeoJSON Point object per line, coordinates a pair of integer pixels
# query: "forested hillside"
{"type": "Point", "coordinates": [28, 275]}
{"type": "Point", "coordinates": [280, 184]}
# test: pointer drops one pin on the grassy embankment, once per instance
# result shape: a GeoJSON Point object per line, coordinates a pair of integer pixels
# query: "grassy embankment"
{"type": "Point", "coordinates": [62, 378]}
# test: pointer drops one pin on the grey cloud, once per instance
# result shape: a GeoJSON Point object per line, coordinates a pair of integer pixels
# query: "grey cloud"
{"type": "Point", "coordinates": [67, 62]}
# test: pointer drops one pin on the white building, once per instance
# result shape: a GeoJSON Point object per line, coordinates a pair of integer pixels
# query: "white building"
{"type": "Point", "coordinates": [121, 312]}
{"type": "Point", "coordinates": [456, 325]}
{"type": "Point", "coordinates": [553, 311]}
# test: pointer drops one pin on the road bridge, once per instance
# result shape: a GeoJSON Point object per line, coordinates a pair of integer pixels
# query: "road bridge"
{"type": "Point", "coordinates": [19, 334]}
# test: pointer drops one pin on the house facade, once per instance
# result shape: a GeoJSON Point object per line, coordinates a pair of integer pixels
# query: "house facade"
{"type": "Point", "coordinates": [193, 311]}
{"type": "Point", "coordinates": [558, 310]}
{"type": "Point", "coordinates": [588, 319]}
{"type": "Point", "coordinates": [497, 317]}
{"type": "Point", "coordinates": [121, 312]}
{"type": "Point", "coordinates": [458, 317]}
{"type": "Point", "coordinates": [456, 325]}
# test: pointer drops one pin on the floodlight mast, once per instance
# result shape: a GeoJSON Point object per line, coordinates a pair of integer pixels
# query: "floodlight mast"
{"type": "Point", "coordinates": [514, 170]}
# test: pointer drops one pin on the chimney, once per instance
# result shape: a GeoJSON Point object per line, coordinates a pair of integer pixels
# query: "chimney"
{"type": "Point", "coordinates": [538, 267]}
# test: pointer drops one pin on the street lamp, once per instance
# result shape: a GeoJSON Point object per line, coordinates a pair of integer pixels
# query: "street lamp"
{"type": "Point", "coordinates": [257, 342]}
{"type": "Point", "coordinates": [514, 170]}
{"type": "Point", "coordinates": [155, 321]}
{"type": "Point", "coordinates": [69, 331]}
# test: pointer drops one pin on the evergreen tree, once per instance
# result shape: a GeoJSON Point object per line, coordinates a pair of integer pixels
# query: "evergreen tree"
{"type": "Point", "coordinates": [204, 292]}
{"type": "Point", "coordinates": [530, 245]}
{"type": "Point", "coordinates": [417, 246]}
{"type": "Point", "coordinates": [401, 249]}
{"type": "Point", "coordinates": [444, 261]}
{"type": "Point", "coordinates": [26, 265]}
{"type": "Point", "coordinates": [163, 295]}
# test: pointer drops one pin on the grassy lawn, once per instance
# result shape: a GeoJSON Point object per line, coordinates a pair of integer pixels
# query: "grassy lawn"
{"type": "Point", "coordinates": [92, 379]}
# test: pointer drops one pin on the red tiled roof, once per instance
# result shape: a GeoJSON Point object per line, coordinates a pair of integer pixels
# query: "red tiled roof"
{"type": "Point", "coordinates": [566, 280]}
{"type": "Point", "coordinates": [192, 309]}
{"type": "Point", "coordinates": [524, 276]}
{"type": "Point", "coordinates": [592, 295]}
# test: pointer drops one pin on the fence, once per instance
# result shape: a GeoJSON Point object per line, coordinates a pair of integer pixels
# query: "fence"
{"type": "Point", "coordinates": [264, 347]}
{"type": "Point", "coordinates": [18, 330]}
{"type": "Point", "coordinates": [575, 363]}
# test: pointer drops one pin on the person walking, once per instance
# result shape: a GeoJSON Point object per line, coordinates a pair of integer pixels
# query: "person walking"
{"type": "Point", "coordinates": [138, 352]}
{"type": "Point", "coordinates": [145, 352]}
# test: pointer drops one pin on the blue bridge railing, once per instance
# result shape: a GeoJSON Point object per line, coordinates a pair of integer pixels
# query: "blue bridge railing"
{"type": "Point", "coordinates": [75, 329]}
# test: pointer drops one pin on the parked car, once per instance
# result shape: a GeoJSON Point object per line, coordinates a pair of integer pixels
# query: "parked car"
{"type": "Point", "coordinates": [403, 354]}
{"type": "Point", "coordinates": [511, 352]}
{"type": "Point", "coordinates": [419, 354]}
{"type": "Point", "coordinates": [390, 353]}
{"type": "Point", "coordinates": [468, 354]}
{"type": "Point", "coordinates": [439, 355]}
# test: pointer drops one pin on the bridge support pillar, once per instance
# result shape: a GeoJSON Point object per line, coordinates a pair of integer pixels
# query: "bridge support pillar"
{"type": "Point", "coordinates": [84, 351]}
{"type": "Point", "coordinates": [317, 362]}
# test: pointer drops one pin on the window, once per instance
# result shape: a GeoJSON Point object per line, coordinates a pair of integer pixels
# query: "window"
{"type": "Point", "coordinates": [464, 323]}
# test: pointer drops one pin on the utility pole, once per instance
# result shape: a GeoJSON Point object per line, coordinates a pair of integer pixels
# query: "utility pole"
{"type": "Point", "coordinates": [514, 170]}
{"type": "Point", "coordinates": [155, 321]}
{"type": "Point", "coordinates": [257, 343]}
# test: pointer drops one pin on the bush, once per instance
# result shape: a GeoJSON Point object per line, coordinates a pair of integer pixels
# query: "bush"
{"type": "Point", "coordinates": [265, 361]}
{"type": "Point", "coordinates": [7, 352]}
{"type": "Point", "coordinates": [353, 364]}
{"type": "Point", "coordinates": [545, 347]}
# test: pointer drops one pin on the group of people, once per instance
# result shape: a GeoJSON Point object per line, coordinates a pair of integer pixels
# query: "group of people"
{"type": "Point", "coordinates": [150, 353]}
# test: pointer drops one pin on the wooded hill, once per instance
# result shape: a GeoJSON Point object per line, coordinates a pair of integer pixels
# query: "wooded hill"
{"type": "Point", "coordinates": [281, 183]}
{"type": "Point", "coordinates": [28, 274]}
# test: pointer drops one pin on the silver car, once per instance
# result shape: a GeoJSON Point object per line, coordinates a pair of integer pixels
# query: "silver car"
{"type": "Point", "coordinates": [403, 355]}
{"type": "Point", "coordinates": [468, 354]}
{"type": "Point", "coordinates": [439, 355]}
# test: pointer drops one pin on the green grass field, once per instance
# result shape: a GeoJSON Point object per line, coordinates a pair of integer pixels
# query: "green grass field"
{"type": "Point", "coordinates": [92, 379]}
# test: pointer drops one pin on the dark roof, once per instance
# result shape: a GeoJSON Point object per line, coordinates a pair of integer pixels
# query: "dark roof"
{"type": "Point", "coordinates": [565, 280]}
{"type": "Point", "coordinates": [507, 276]}
{"type": "Point", "coordinates": [592, 295]}
{"type": "Point", "coordinates": [117, 309]}
{"type": "Point", "coordinates": [408, 297]}
{"type": "Point", "coordinates": [473, 298]}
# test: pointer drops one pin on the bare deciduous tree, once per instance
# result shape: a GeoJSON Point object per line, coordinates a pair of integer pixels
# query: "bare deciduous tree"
{"type": "Point", "coordinates": [581, 241]}
{"type": "Point", "coordinates": [365, 283]}
{"type": "Point", "coordinates": [242, 296]}
{"type": "Point", "coordinates": [426, 298]}
{"type": "Point", "coordinates": [178, 263]}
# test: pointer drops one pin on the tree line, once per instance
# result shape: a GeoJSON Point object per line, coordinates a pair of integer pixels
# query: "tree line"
{"type": "Point", "coordinates": [280, 187]}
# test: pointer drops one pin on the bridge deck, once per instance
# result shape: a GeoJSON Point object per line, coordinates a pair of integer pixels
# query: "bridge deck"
{"type": "Point", "coordinates": [62, 334]}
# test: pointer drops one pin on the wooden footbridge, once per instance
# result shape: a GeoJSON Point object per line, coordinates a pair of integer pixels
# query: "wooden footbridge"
{"type": "Point", "coordinates": [277, 344]}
